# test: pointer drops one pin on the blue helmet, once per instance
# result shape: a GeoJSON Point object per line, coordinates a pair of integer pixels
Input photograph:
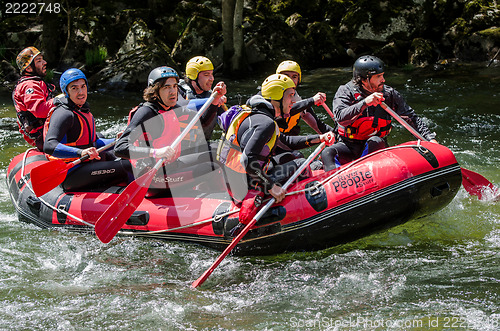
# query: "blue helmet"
{"type": "Point", "coordinates": [161, 72]}
{"type": "Point", "coordinates": [69, 76]}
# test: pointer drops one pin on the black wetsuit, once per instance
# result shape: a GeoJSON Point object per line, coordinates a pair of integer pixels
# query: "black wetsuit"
{"type": "Point", "coordinates": [64, 129]}
{"type": "Point", "coordinates": [183, 170]}
{"type": "Point", "coordinates": [349, 106]}
{"type": "Point", "coordinates": [253, 135]}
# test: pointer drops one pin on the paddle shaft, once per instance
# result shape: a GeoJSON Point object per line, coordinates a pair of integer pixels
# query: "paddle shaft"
{"type": "Point", "coordinates": [472, 181]}
{"type": "Point", "coordinates": [87, 156]}
{"type": "Point", "coordinates": [402, 121]}
{"type": "Point", "coordinates": [328, 110]}
{"type": "Point", "coordinates": [184, 132]}
{"type": "Point", "coordinates": [261, 212]}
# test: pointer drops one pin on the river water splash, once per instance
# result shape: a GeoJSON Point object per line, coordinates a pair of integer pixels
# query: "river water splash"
{"type": "Point", "coordinates": [439, 272]}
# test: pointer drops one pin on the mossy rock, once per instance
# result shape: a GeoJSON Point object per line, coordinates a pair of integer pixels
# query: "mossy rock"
{"type": "Point", "coordinates": [200, 37]}
{"type": "Point", "coordinates": [493, 33]}
{"type": "Point", "coordinates": [421, 52]}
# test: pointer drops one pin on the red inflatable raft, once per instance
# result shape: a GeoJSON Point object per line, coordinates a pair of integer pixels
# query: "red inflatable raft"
{"type": "Point", "coordinates": [376, 192]}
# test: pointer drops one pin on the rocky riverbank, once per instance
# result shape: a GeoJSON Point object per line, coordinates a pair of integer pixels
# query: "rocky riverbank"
{"type": "Point", "coordinates": [117, 42]}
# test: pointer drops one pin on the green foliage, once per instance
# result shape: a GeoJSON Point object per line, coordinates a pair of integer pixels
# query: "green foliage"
{"type": "Point", "coordinates": [3, 51]}
{"type": "Point", "coordinates": [49, 76]}
{"type": "Point", "coordinates": [96, 56]}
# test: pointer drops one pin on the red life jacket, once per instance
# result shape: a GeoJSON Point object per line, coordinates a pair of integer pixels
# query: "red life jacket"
{"type": "Point", "coordinates": [365, 127]}
{"type": "Point", "coordinates": [86, 137]}
{"type": "Point", "coordinates": [171, 130]}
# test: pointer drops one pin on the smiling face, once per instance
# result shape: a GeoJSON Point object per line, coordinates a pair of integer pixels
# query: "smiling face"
{"type": "Point", "coordinates": [206, 79]}
{"type": "Point", "coordinates": [375, 83]}
{"type": "Point", "coordinates": [168, 92]}
{"type": "Point", "coordinates": [77, 91]}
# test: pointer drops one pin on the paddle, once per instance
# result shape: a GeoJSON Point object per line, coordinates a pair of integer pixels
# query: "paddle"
{"type": "Point", "coordinates": [261, 212]}
{"type": "Point", "coordinates": [473, 182]}
{"type": "Point", "coordinates": [50, 174]}
{"type": "Point", "coordinates": [115, 216]}
{"type": "Point", "coordinates": [328, 110]}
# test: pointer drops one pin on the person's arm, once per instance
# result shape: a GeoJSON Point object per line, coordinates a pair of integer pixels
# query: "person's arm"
{"type": "Point", "coordinates": [314, 122]}
{"type": "Point", "coordinates": [346, 108]}
{"type": "Point", "coordinates": [252, 158]}
{"type": "Point", "coordinates": [302, 105]}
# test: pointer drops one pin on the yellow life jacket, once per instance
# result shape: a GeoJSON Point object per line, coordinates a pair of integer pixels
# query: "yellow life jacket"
{"type": "Point", "coordinates": [229, 149]}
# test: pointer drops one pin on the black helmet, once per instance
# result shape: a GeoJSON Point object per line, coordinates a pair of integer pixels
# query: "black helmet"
{"type": "Point", "coordinates": [161, 72]}
{"type": "Point", "coordinates": [367, 66]}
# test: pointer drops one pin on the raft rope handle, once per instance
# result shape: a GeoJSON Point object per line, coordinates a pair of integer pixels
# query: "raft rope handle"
{"type": "Point", "coordinates": [219, 216]}
{"type": "Point", "coordinates": [54, 208]}
{"type": "Point", "coordinates": [62, 211]}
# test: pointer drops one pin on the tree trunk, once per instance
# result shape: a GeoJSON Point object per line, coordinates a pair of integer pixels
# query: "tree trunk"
{"type": "Point", "coordinates": [238, 60]}
{"type": "Point", "coordinates": [228, 7]}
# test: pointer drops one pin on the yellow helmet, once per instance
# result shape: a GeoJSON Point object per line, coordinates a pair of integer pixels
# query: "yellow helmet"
{"type": "Point", "coordinates": [289, 66]}
{"type": "Point", "coordinates": [197, 64]}
{"type": "Point", "coordinates": [275, 85]}
{"type": "Point", "coordinates": [25, 57]}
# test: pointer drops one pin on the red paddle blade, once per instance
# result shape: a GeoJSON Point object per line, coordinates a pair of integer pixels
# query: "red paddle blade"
{"type": "Point", "coordinates": [221, 257]}
{"type": "Point", "coordinates": [479, 186]}
{"type": "Point", "coordinates": [117, 214]}
{"type": "Point", "coordinates": [48, 175]}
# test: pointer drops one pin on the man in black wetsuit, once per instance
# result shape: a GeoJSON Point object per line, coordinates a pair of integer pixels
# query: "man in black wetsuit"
{"type": "Point", "coordinates": [70, 133]}
{"type": "Point", "coordinates": [302, 110]}
{"type": "Point", "coordinates": [248, 145]}
{"type": "Point", "coordinates": [363, 125]}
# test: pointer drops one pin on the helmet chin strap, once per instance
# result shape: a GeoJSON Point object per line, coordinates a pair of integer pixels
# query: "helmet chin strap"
{"type": "Point", "coordinates": [197, 83]}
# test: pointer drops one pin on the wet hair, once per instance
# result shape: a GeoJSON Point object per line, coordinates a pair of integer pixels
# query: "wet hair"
{"type": "Point", "coordinates": [152, 93]}
{"type": "Point", "coordinates": [358, 80]}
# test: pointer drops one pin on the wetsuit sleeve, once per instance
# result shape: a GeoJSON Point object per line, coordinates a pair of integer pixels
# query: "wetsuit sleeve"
{"type": "Point", "coordinates": [36, 102]}
{"type": "Point", "coordinates": [251, 155]}
{"type": "Point", "coordinates": [402, 108]}
{"type": "Point", "coordinates": [298, 142]}
{"type": "Point", "coordinates": [320, 126]}
{"type": "Point", "coordinates": [345, 107]}
{"type": "Point", "coordinates": [60, 121]}
{"type": "Point", "coordinates": [103, 142]}
{"type": "Point", "coordinates": [125, 144]}
{"type": "Point", "coordinates": [302, 105]}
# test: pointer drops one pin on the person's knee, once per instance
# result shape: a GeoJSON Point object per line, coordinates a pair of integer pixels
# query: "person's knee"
{"type": "Point", "coordinates": [375, 143]}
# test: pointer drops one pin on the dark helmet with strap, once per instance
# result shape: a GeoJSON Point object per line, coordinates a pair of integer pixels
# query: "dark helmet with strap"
{"type": "Point", "coordinates": [367, 66]}
{"type": "Point", "coordinates": [161, 72]}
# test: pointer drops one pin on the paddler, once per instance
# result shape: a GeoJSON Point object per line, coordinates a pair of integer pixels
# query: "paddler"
{"type": "Point", "coordinates": [33, 97]}
{"type": "Point", "coordinates": [198, 85]}
{"type": "Point", "coordinates": [363, 125]}
{"type": "Point", "coordinates": [70, 133]}
{"type": "Point", "coordinates": [248, 145]}
{"type": "Point", "coordinates": [152, 128]}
